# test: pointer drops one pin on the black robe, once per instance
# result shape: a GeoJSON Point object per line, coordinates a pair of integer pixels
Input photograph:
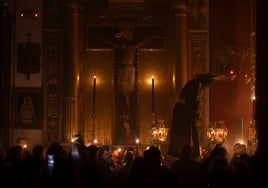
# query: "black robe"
{"type": "Point", "coordinates": [183, 129]}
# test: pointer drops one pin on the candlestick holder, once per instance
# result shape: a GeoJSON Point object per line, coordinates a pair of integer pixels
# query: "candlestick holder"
{"type": "Point", "coordinates": [153, 105]}
{"type": "Point", "coordinates": [93, 127]}
{"type": "Point", "coordinates": [94, 108]}
{"type": "Point", "coordinates": [94, 95]}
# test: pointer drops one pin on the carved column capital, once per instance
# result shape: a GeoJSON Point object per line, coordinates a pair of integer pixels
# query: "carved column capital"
{"type": "Point", "coordinates": [179, 8]}
{"type": "Point", "coordinates": [73, 6]}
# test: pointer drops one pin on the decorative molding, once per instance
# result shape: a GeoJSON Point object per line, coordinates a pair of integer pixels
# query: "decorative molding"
{"type": "Point", "coordinates": [52, 14]}
{"type": "Point", "coordinates": [199, 64]}
{"type": "Point", "coordinates": [197, 12]}
{"type": "Point", "coordinates": [52, 62]}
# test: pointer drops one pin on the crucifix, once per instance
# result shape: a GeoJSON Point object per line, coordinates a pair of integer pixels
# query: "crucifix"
{"type": "Point", "coordinates": [28, 56]}
{"type": "Point", "coordinates": [29, 36]}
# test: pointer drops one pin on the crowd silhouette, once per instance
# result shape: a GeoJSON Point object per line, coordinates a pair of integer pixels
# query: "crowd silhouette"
{"type": "Point", "coordinates": [82, 166]}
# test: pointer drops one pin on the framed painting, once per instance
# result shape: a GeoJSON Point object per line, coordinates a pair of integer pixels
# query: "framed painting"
{"type": "Point", "coordinates": [27, 108]}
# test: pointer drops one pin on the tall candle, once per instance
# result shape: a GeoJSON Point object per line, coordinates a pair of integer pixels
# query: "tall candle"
{"type": "Point", "coordinates": [152, 94]}
{"type": "Point", "coordinates": [254, 108]}
{"type": "Point", "coordinates": [94, 95]}
{"type": "Point", "coordinates": [137, 147]}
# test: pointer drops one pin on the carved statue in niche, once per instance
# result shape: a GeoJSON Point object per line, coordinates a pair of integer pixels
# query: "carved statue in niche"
{"type": "Point", "coordinates": [125, 82]}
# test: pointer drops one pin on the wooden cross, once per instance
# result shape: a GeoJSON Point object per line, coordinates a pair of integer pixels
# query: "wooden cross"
{"type": "Point", "coordinates": [29, 36]}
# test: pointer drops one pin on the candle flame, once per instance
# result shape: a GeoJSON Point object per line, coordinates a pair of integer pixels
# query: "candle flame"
{"type": "Point", "coordinates": [95, 141]}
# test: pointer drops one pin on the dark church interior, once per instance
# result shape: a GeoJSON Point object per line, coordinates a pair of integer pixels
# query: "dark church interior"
{"type": "Point", "coordinates": [172, 79]}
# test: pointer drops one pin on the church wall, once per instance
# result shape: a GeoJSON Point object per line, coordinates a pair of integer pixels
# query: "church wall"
{"type": "Point", "coordinates": [27, 67]}
{"type": "Point", "coordinates": [231, 24]}
{"type": "Point", "coordinates": [99, 63]}
{"type": "Point", "coordinates": [152, 62]}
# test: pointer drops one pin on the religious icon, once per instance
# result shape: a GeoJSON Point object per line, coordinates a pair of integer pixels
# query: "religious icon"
{"type": "Point", "coordinates": [27, 112]}
{"type": "Point", "coordinates": [28, 108]}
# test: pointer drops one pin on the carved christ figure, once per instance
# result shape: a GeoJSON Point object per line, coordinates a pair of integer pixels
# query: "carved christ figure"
{"type": "Point", "coordinates": [126, 57]}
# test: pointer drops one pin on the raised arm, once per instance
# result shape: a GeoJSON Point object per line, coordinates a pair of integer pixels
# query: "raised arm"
{"type": "Point", "coordinates": [143, 42]}
{"type": "Point", "coordinates": [108, 41]}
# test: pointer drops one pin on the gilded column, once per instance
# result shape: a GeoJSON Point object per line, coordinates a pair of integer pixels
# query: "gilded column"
{"type": "Point", "coordinates": [71, 68]}
{"type": "Point", "coordinates": [178, 52]}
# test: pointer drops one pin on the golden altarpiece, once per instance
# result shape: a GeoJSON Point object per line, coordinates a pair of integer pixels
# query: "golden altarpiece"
{"type": "Point", "coordinates": [82, 39]}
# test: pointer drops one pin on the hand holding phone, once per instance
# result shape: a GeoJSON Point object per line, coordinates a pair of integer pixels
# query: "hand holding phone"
{"type": "Point", "coordinates": [50, 163]}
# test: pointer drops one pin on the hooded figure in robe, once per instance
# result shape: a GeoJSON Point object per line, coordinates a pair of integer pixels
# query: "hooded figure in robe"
{"type": "Point", "coordinates": [185, 114]}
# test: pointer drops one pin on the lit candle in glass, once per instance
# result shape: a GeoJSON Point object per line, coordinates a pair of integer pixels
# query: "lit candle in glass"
{"type": "Point", "coordinates": [94, 95]}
